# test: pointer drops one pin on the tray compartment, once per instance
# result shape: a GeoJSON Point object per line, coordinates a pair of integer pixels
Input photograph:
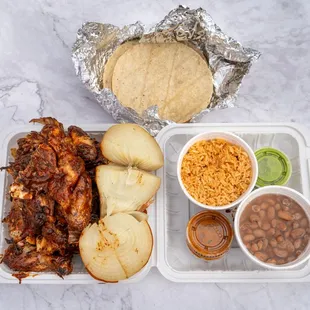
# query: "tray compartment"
{"type": "Point", "coordinates": [175, 260]}
{"type": "Point", "coordinates": [79, 274]}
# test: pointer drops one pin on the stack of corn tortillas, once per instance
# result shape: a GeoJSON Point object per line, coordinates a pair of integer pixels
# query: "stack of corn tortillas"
{"type": "Point", "coordinates": [172, 76]}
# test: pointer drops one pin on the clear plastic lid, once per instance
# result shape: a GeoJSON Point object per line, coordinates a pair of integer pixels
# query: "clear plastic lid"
{"type": "Point", "coordinates": [274, 167]}
{"type": "Point", "coordinates": [209, 235]}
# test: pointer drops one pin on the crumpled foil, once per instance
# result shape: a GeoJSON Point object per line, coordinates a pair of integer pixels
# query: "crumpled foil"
{"type": "Point", "coordinates": [228, 59]}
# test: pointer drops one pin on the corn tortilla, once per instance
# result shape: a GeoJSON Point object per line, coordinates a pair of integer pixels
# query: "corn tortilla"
{"type": "Point", "coordinates": [172, 76]}
{"type": "Point", "coordinates": [109, 67]}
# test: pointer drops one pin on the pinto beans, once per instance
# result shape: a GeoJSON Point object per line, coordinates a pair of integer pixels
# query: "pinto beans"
{"type": "Point", "coordinates": [271, 201]}
{"type": "Point", "coordinates": [298, 233]}
{"type": "Point", "coordinates": [297, 243]}
{"type": "Point", "coordinates": [256, 208]}
{"type": "Point", "coordinates": [273, 243]}
{"type": "Point", "coordinates": [297, 216]}
{"type": "Point", "coordinates": [264, 206]}
{"type": "Point", "coordinates": [262, 214]}
{"type": "Point", "coordinates": [280, 253]}
{"type": "Point", "coordinates": [280, 239]}
{"type": "Point", "coordinates": [284, 215]}
{"type": "Point", "coordinates": [254, 247]}
{"type": "Point", "coordinates": [274, 223]}
{"type": "Point", "coordinates": [265, 226]}
{"type": "Point", "coordinates": [261, 256]}
{"type": "Point", "coordinates": [281, 225]}
{"type": "Point", "coordinates": [275, 229]}
{"type": "Point", "coordinates": [304, 223]}
{"type": "Point", "coordinates": [259, 233]}
{"type": "Point", "coordinates": [271, 212]}
{"type": "Point", "coordinates": [248, 238]}
{"type": "Point", "coordinates": [271, 232]}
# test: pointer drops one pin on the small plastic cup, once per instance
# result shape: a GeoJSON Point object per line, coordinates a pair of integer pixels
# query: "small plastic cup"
{"type": "Point", "coordinates": [274, 167]}
{"type": "Point", "coordinates": [209, 235]}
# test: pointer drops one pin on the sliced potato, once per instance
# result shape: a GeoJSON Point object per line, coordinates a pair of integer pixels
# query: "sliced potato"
{"type": "Point", "coordinates": [131, 145]}
{"type": "Point", "coordinates": [123, 189]}
{"type": "Point", "coordinates": [116, 248]}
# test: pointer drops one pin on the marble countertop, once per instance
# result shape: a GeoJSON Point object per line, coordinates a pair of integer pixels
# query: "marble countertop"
{"type": "Point", "coordinates": [37, 78]}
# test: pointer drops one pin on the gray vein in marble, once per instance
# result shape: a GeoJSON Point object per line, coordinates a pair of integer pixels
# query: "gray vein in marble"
{"type": "Point", "coordinates": [55, 21]}
{"type": "Point", "coordinates": [9, 84]}
{"type": "Point", "coordinates": [126, 301]}
{"type": "Point", "coordinates": [42, 102]}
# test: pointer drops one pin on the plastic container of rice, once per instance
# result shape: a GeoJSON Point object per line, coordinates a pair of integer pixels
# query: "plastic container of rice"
{"type": "Point", "coordinates": [217, 170]}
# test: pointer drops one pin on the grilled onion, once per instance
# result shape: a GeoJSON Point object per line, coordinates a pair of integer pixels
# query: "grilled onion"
{"type": "Point", "coordinates": [124, 189]}
{"type": "Point", "coordinates": [131, 145]}
{"type": "Point", "coordinates": [116, 248]}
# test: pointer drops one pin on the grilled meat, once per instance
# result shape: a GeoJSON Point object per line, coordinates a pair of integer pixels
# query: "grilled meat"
{"type": "Point", "coordinates": [84, 144]}
{"type": "Point", "coordinates": [22, 155]}
{"type": "Point", "coordinates": [26, 217]}
{"type": "Point", "coordinates": [54, 197]}
{"type": "Point", "coordinates": [53, 239]}
{"type": "Point", "coordinates": [70, 187]}
{"type": "Point", "coordinates": [24, 258]}
{"type": "Point", "coordinates": [79, 213]}
{"type": "Point", "coordinates": [54, 133]}
{"type": "Point", "coordinates": [41, 168]}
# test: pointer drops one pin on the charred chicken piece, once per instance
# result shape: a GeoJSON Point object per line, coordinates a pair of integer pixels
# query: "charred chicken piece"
{"type": "Point", "coordinates": [24, 258]}
{"type": "Point", "coordinates": [52, 197]}
{"type": "Point", "coordinates": [100, 160]}
{"type": "Point", "coordinates": [84, 144]}
{"type": "Point", "coordinates": [72, 190]}
{"type": "Point", "coordinates": [26, 217]}
{"type": "Point", "coordinates": [54, 133]}
{"type": "Point", "coordinates": [64, 182]}
{"type": "Point", "coordinates": [53, 239]}
{"type": "Point", "coordinates": [40, 169]}
{"type": "Point", "coordinates": [22, 155]}
{"type": "Point", "coordinates": [79, 213]}
{"type": "Point", "coordinates": [70, 187]}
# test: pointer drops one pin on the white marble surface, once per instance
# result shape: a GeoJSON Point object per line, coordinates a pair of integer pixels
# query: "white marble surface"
{"type": "Point", "coordinates": [37, 78]}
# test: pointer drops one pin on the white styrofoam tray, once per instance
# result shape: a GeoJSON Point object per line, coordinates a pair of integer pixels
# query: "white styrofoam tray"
{"type": "Point", "coordinates": [169, 214]}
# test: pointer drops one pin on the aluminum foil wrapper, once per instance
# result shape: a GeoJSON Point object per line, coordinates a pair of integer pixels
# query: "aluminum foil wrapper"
{"type": "Point", "coordinates": [228, 59]}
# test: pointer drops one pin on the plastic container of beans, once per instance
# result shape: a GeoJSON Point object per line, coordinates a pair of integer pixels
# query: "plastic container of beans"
{"type": "Point", "coordinates": [303, 203]}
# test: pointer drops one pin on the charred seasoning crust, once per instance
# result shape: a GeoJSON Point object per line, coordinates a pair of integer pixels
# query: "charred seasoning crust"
{"type": "Point", "coordinates": [53, 196]}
